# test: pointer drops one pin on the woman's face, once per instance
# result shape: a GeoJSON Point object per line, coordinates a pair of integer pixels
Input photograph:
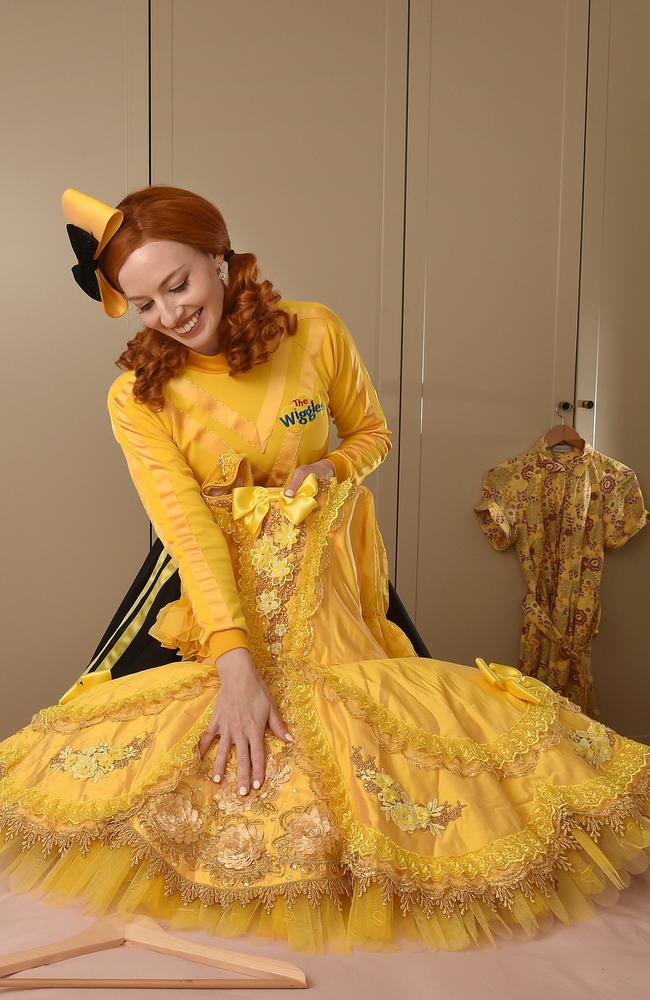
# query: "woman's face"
{"type": "Point", "coordinates": [169, 284]}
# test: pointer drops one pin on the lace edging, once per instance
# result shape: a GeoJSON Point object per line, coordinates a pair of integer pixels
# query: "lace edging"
{"type": "Point", "coordinates": [180, 759]}
{"type": "Point", "coordinates": [616, 793]}
{"type": "Point", "coordinates": [538, 728]}
{"type": "Point", "coordinates": [302, 606]}
{"type": "Point", "coordinates": [70, 718]}
{"type": "Point", "coordinates": [356, 873]}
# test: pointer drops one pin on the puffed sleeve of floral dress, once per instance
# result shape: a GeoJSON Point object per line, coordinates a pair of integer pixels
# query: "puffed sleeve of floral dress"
{"type": "Point", "coordinates": [172, 499]}
{"type": "Point", "coordinates": [498, 510]}
{"type": "Point", "coordinates": [353, 405]}
{"type": "Point", "coordinates": [624, 511]}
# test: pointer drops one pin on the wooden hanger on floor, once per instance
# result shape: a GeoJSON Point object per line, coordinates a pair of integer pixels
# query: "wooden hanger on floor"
{"type": "Point", "coordinates": [141, 932]}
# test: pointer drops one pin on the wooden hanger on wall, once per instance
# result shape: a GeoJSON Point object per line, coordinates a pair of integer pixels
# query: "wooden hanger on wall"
{"type": "Point", "coordinates": [141, 932]}
{"type": "Point", "coordinates": [564, 433]}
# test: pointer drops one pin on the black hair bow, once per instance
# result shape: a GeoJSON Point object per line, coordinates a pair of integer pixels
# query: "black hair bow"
{"type": "Point", "coordinates": [85, 246]}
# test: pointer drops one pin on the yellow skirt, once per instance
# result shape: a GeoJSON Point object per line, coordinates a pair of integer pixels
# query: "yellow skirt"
{"type": "Point", "coordinates": [423, 803]}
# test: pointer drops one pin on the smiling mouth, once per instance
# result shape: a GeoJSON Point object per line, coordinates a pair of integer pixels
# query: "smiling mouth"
{"type": "Point", "coordinates": [191, 324]}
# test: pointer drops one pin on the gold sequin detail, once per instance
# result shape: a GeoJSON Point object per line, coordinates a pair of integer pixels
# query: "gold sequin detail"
{"type": "Point", "coordinates": [228, 462]}
{"type": "Point", "coordinates": [174, 817]}
{"type": "Point", "coordinates": [279, 768]}
{"type": "Point", "coordinates": [239, 849]}
{"type": "Point", "coordinates": [265, 587]}
{"type": "Point", "coordinates": [310, 841]}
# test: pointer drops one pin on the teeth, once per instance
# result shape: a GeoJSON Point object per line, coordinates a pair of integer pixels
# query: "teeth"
{"type": "Point", "coordinates": [189, 325]}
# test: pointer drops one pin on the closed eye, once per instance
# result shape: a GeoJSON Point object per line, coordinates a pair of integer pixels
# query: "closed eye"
{"type": "Point", "coordinates": [179, 288]}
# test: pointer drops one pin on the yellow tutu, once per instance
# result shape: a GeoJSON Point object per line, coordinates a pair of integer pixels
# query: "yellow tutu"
{"type": "Point", "coordinates": [422, 801]}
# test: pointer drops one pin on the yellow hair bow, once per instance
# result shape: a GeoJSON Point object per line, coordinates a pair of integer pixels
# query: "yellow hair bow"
{"type": "Point", "coordinates": [251, 503]}
{"type": "Point", "coordinates": [91, 225]}
{"type": "Point", "coordinates": [512, 680]}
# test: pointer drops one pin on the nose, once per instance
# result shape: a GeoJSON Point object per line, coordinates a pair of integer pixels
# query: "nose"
{"type": "Point", "coordinates": [170, 317]}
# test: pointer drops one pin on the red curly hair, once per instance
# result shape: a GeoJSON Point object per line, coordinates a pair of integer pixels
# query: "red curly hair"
{"type": "Point", "coordinates": [251, 327]}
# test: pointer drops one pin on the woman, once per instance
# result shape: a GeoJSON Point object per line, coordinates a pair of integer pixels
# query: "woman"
{"type": "Point", "coordinates": [300, 773]}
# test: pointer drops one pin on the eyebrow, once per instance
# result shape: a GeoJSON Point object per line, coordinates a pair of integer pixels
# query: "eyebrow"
{"type": "Point", "coordinates": [163, 282]}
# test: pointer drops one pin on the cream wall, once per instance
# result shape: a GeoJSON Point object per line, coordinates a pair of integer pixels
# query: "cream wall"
{"type": "Point", "coordinates": [298, 135]}
{"type": "Point", "coordinates": [614, 351]}
{"type": "Point", "coordinates": [526, 257]}
{"type": "Point", "coordinates": [74, 114]}
{"type": "Point", "coordinates": [417, 166]}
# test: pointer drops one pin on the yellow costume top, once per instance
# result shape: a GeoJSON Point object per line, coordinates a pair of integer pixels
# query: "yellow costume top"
{"type": "Point", "coordinates": [276, 415]}
{"type": "Point", "coordinates": [562, 511]}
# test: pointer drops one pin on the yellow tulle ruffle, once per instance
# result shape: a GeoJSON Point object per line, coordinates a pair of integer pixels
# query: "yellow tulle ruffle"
{"type": "Point", "coordinates": [106, 882]}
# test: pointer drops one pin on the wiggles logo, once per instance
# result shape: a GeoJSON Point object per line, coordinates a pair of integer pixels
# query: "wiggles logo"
{"type": "Point", "coordinates": [298, 417]}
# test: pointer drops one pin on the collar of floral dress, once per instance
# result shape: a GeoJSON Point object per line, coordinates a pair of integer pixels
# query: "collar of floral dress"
{"type": "Point", "coordinates": [570, 461]}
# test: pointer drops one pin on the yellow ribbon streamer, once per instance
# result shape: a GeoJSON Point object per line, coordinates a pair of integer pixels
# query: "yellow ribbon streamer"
{"type": "Point", "coordinates": [85, 682]}
{"type": "Point", "coordinates": [251, 503]}
{"type": "Point", "coordinates": [512, 680]}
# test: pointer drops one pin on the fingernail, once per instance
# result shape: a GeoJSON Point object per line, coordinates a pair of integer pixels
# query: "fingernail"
{"type": "Point", "coordinates": [289, 493]}
{"type": "Point", "coordinates": [288, 736]}
{"type": "Point", "coordinates": [216, 777]}
{"type": "Point", "coordinates": [256, 784]}
{"type": "Point", "coordinates": [242, 790]}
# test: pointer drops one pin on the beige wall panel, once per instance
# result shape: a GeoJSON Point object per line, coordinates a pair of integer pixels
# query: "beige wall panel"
{"type": "Point", "coordinates": [73, 536]}
{"type": "Point", "coordinates": [614, 346]}
{"type": "Point", "coordinates": [496, 127]}
{"type": "Point", "coordinates": [291, 118]}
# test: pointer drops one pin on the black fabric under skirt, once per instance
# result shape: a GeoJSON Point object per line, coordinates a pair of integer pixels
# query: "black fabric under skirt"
{"type": "Point", "coordinates": [126, 645]}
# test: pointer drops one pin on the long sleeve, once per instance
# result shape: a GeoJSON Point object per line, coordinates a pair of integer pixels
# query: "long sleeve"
{"type": "Point", "coordinates": [353, 405]}
{"type": "Point", "coordinates": [172, 499]}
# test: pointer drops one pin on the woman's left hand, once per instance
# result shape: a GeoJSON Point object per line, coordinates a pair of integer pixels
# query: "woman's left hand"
{"type": "Point", "coordinates": [323, 468]}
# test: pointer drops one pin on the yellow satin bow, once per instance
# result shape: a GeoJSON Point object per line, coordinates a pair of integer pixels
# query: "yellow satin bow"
{"type": "Point", "coordinates": [251, 503]}
{"type": "Point", "coordinates": [512, 680]}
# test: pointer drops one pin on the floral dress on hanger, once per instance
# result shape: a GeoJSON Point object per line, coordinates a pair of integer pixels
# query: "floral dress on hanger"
{"type": "Point", "coordinates": [562, 511]}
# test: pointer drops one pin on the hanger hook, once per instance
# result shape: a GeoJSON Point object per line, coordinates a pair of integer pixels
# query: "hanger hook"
{"type": "Point", "coordinates": [565, 406]}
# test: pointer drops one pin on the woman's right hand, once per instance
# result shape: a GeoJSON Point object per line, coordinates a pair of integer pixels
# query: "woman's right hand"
{"type": "Point", "coordinates": [242, 709]}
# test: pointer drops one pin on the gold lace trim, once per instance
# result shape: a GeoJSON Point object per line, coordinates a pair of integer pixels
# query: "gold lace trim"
{"type": "Point", "coordinates": [71, 718]}
{"type": "Point", "coordinates": [229, 462]}
{"type": "Point", "coordinates": [264, 660]}
{"type": "Point", "coordinates": [528, 876]}
{"type": "Point", "coordinates": [513, 754]}
{"type": "Point", "coordinates": [275, 556]}
{"type": "Point", "coordinates": [617, 792]}
{"type": "Point", "coordinates": [181, 759]}
{"type": "Point", "coordinates": [302, 606]}
{"type": "Point", "coordinates": [288, 626]}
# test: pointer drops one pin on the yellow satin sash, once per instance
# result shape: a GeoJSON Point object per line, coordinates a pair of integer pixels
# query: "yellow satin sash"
{"type": "Point", "coordinates": [251, 503]}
